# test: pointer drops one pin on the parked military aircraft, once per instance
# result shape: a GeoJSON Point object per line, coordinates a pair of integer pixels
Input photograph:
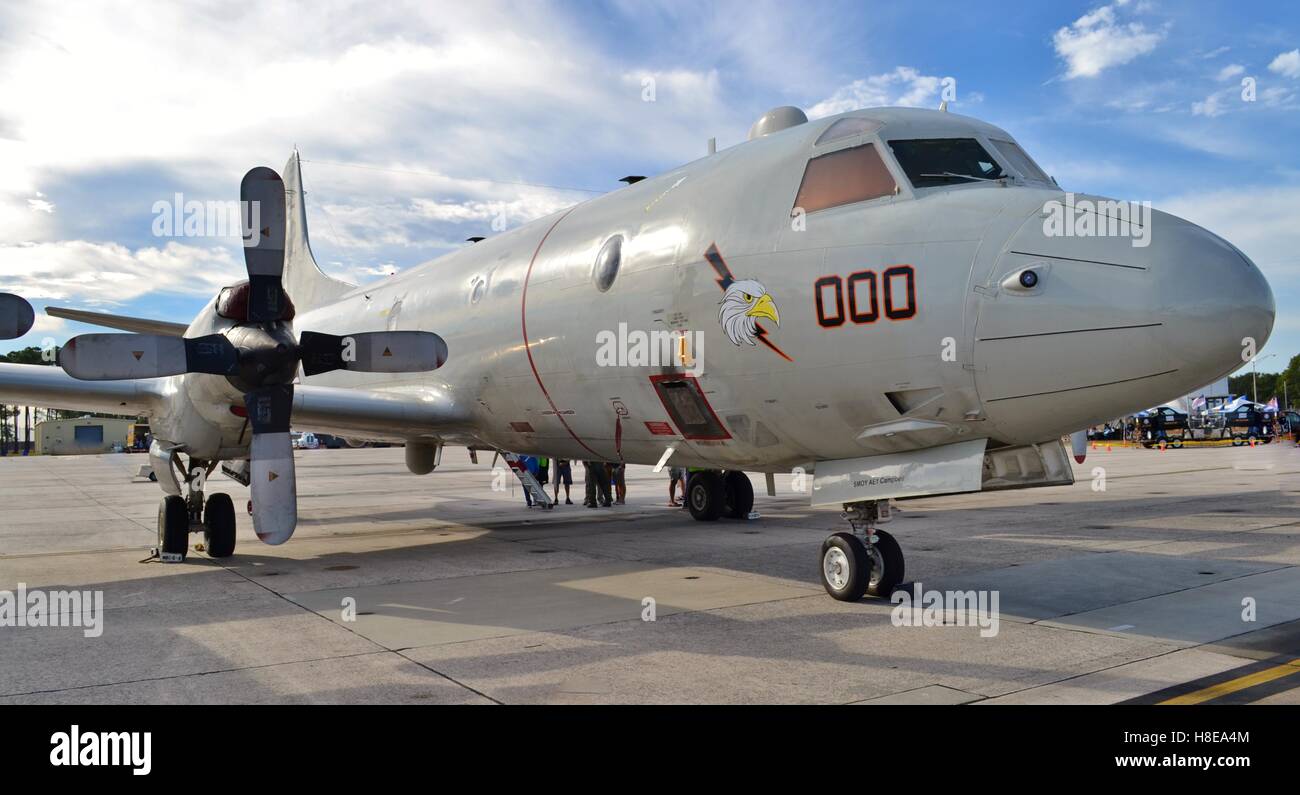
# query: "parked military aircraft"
{"type": "Point", "coordinates": [877, 298]}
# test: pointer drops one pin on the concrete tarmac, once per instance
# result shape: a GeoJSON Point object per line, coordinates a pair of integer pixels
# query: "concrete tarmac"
{"type": "Point", "coordinates": [1158, 576]}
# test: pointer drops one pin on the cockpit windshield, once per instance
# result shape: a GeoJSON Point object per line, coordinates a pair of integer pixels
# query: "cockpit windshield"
{"type": "Point", "coordinates": [1020, 160]}
{"type": "Point", "coordinates": [933, 162]}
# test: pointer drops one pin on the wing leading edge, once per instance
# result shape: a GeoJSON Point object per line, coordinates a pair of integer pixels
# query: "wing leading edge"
{"type": "Point", "coordinates": [38, 385]}
{"type": "Point", "coordinates": [426, 411]}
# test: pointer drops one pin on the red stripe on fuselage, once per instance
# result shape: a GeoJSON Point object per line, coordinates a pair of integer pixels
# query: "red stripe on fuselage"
{"type": "Point", "coordinates": [523, 323]}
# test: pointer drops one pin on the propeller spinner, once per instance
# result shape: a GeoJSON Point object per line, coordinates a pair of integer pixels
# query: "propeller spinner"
{"type": "Point", "coordinates": [259, 354]}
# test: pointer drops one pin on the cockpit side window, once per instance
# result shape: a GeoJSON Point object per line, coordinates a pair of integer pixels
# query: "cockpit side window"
{"type": "Point", "coordinates": [1020, 160]}
{"type": "Point", "coordinates": [845, 176]}
{"type": "Point", "coordinates": [933, 162]}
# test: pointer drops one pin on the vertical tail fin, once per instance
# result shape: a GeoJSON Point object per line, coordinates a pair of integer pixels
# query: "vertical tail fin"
{"type": "Point", "coordinates": [306, 284]}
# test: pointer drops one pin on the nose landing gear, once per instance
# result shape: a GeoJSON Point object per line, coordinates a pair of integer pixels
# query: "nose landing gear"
{"type": "Point", "coordinates": [865, 561]}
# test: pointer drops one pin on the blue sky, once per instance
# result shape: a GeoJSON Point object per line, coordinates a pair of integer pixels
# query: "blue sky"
{"type": "Point", "coordinates": [109, 110]}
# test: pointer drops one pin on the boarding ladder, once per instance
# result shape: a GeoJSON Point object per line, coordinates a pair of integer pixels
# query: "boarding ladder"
{"type": "Point", "coordinates": [537, 490]}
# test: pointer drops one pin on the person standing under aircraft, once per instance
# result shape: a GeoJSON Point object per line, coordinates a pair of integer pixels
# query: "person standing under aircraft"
{"type": "Point", "coordinates": [529, 463]}
{"type": "Point", "coordinates": [563, 473]}
{"type": "Point", "coordinates": [589, 483]}
{"type": "Point", "coordinates": [601, 473]}
{"type": "Point", "coordinates": [617, 478]}
{"type": "Point", "coordinates": [676, 475]}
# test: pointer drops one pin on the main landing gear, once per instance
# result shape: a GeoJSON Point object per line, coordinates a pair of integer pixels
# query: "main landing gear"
{"type": "Point", "coordinates": [864, 561]}
{"type": "Point", "coordinates": [179, 516]}
{"type": "Point", "coordinates": [712, 494]}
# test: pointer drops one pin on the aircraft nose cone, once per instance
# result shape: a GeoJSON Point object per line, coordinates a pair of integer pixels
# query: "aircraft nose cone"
{"type": "Point", "coordinates": [1155, 309]}
{"type": "Point", "coordinates": [1215, 306]}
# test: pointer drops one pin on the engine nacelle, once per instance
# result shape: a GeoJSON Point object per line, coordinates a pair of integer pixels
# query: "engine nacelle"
{"type": "Point", "coordinates": [422, 457]}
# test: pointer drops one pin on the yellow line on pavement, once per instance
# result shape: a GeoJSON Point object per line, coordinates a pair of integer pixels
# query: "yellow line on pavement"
{"type": "Point", "coordinates": [1240, 683]}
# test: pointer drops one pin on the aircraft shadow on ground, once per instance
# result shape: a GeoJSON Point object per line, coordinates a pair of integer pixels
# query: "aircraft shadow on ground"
{"type": "Point", "coordinates": [807, 635]}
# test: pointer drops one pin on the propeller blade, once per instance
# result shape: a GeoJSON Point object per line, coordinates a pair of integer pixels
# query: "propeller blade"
{"type": "Point", "coordinates": [261, 196]}
{"type": "Point", "coordinates": [372, 352]}
{"type": "Point", "coordinates": [1079, 445]}
{"type": "Point", "coordinates": [16, 316]}
{"type": "Point", "coordinates": [120, 357]}
{"type": "Point", "coordinates": [273, 481]}
{"type": "Point", "coordinates": [213, 354]}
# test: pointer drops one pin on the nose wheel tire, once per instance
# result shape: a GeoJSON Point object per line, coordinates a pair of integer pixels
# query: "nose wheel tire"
{"type": "Point", "coordinates": [888, 566]}
{"type": "Point", "coordinates": [173, 527]}
{"type": "Point", "coordinates": [219, 526]}
{"type": "Point", "coordinates": [851, 569]}
{"type": "Point", "coordinates": [845, 567]}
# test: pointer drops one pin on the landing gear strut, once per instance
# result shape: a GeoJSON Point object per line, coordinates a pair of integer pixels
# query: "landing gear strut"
{"type": "Point", "coordinates": [178, 516]}
{"type": "Point", "coordinates": [865, 561]}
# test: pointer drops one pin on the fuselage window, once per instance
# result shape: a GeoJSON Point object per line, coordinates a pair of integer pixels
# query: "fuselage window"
{"type": "Point", "coordinates": [607, 263]}
{"type": "Point", "coordinates": [844, 177]}
{"type": "Point", "coordinates": [933, 162]}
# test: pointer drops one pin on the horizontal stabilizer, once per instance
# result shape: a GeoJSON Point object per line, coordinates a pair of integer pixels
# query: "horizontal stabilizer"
{"type": "Point", "coordinates": [121, 322]}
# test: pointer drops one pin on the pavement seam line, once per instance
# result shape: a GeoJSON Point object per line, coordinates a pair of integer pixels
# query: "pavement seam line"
{"type": "Point", "coordinates": [186, 675]}
{"type": "Point", "coordinates": [371, 641]}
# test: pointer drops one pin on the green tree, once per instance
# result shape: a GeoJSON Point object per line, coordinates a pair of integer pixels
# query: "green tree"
{"type": "Point", "coordinates": [30, 355]}
{"type": "Point", "coordinates": [1270, 384]}
{"type": "Point", "coordinates": [1291, 380]}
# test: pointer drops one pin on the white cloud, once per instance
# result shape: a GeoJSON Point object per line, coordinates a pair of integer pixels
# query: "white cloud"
{"type": "Point", "coordinates": [1211, 106]}
{"type": "Point", "coordinates": [509, 92]}
{"type": "Point", "coordinates": [1287, 64]}
{"type": "Point", "coordinates": [1259, 221]}
{"type": "Point", "coordinates": [490, 89]}
{"type": "Point", "coordinates": [1097, 41]}
{"type": "Point", "coordinates": [109, 273]}
{"type": "Point", "coordinates": [904, 86]}
{"type": "Point", "coordinates": [1230, 71]}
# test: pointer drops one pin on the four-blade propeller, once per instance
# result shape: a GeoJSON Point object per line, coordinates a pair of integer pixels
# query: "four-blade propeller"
{"type": "Point", "coordinates": [259, 354]}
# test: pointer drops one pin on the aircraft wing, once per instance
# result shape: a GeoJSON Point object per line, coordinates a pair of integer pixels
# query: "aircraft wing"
{"type": "Point", "coordinates": [368, 414]}
{"type": "Point", "coordinates": [50, 387]}
{"type": "Point", "coordinates": [419, 411]}
{"type": "Point", "coordinates": [138, 325]}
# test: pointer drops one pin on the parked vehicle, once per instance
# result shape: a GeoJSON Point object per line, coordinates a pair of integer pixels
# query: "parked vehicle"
{"type": "Point", "coordinates": [1167, 420]}
{"type": "Point", "coordinates": [1248, 424]}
